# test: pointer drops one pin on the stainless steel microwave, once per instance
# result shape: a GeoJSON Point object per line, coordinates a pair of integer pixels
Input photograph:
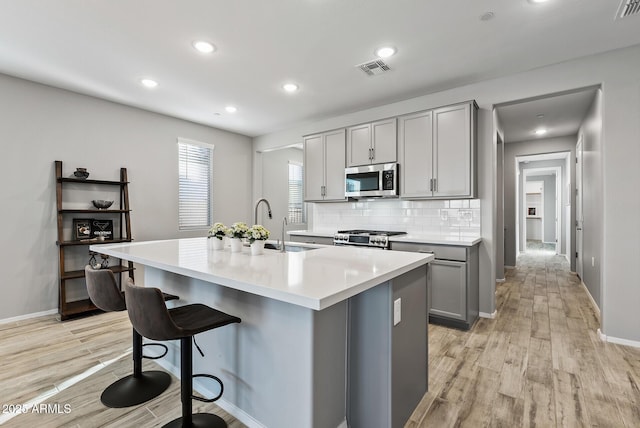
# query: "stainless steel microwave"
{"type": "Point", "coordinates": [372, 181]}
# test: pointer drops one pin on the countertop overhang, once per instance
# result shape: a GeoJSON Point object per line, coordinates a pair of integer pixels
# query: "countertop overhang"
{"type": "Point", "coordinates": [314, 279]}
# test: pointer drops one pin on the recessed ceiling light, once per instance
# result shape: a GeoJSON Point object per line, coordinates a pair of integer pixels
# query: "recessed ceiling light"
{"type": "Point", "coordinates": [290, 87]}
{"type": "Point", "coordinates": [203, 47]}
{"type": "Point", "coordinates": [149, 83]}
{"type": "Point", "coordinates": [385, 52]}
{"type": "Point", "coordinates": [540, 131]}
{"type": "Point", "coordinates": [231, 109]}
{"type": "Point", "coordinates": [540, 116]}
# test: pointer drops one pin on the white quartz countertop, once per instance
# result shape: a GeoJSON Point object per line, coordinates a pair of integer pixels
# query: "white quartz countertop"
{"type": "Point", "coordinates": [411, 237]}
{"type": "Point", "coordinates": [314, 279]}
{"type": "Point", "coordinates": [437, 240]}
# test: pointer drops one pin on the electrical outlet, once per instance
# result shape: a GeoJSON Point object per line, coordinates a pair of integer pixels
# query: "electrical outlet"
{"type": "Point", "coordinates": [397, 311]}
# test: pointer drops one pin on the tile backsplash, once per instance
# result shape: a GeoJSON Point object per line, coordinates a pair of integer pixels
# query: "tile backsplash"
{"type": "Point", "coordinates": [455, 218]}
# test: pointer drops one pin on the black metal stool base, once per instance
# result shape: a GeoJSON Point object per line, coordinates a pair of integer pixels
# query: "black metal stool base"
{"type": "Point", "coordinates": [200, 420]}
{"type": "Point", "coordinates": [131, 391]}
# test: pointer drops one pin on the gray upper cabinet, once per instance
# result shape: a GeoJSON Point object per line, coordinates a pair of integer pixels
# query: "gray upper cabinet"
{"type": "Point", "coordinates": [415, 154]}
{"type": "Point", "coordinates": [437, 153]}
{"type": "Point", "coordinates": [324, 163]}
{"type": "Point", "coordinates": [372, 143]}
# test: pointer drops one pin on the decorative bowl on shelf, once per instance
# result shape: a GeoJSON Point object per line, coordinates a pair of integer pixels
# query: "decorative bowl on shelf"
{"type": "Point", "coordinates": [101, 205]}
{"type": "Point", "coordinates": [81, 173]}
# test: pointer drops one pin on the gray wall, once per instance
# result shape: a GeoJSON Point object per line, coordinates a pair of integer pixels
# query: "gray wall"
{"type": "Point", "coordinates": [549, 213]}
{"type": "Point", "coordinates": [41, 124]}
{"type": "Point", "coordinates": [513, 150]}
{"type": "Point", "coordinates": [591, 132]}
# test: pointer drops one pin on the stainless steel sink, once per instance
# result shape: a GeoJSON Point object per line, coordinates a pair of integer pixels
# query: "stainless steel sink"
{"type": "Point", "coordinates": [288, 248]}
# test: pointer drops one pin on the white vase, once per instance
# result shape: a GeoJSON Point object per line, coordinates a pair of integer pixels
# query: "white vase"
{"type": "Point", "coordinates": [236, 245]}
{"type": "Point", "coordinates": [216, 243]}
{"type": "Point", "coordinates": [257, 247]}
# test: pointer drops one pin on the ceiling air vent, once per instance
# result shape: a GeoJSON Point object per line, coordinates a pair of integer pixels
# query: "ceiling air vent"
{"type": "Point", "coordinates": [628, 8]}
{"type": "Point", "coordinates": [375, 67]}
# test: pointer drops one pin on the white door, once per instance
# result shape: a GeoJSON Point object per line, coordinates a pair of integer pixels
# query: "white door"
{"type": "Point", "coordinates": [558, 236]}
{"type": "Point", "coordinates": [579, 216]}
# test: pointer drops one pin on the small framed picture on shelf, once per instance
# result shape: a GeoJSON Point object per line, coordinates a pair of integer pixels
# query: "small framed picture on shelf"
{"type": "Point", "coordinates": [102, 229]}
{"type": "Point", "coordinates": [81, 228]}
{"type": "Point", "coordinates": [532, 212]}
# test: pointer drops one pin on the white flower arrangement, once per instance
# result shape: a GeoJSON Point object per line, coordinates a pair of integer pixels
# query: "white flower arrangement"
{"type": "Point", "coordinates": [238, 230]}
{"type": "Point", "coordinates": [218, 230]}
{"type": "Point", "coordinates": [257, 232]}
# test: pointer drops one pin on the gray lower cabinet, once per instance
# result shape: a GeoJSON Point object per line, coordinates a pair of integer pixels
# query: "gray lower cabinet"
{"type": "Point", "coordinates": [309, 239]}
{"type": "Point", "coordinates": [447, 295]}
{"type": "Point", "coordinates": [453, 295]}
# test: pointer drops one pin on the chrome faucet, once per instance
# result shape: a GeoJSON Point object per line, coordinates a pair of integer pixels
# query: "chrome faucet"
{"type": "Point", "coordinates": [284, 223]}
{"type": "Point", "coordinates": [255, 218]}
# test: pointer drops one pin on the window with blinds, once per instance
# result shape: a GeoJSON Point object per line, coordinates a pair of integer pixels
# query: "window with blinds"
{"type": "Point", "coordinates": [195, 184]}
{"type": "Point", "coordinates": [296, 202]}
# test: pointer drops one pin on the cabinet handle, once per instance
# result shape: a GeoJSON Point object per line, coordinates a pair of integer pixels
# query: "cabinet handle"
{"type": "Point", "coordinates": [373, 154]}
{"type": "Point", "coordinates": [435, 184]}
{"type": "Point", "coordinates": [431, 184]}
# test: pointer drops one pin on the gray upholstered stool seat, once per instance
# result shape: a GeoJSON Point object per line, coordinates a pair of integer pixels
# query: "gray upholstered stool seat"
{"type": "Point", "coordinates": [153, 320]}
{"type": "Point", "coordinates": [141, 386]}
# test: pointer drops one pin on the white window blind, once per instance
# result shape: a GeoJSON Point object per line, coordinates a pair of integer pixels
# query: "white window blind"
{"type": "Point", "coordinates": [195, 183]}
{"type": "Point", "coordinates": [296, 201]}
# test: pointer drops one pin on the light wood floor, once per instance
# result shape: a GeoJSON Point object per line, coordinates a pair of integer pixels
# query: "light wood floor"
{"type": "Point", "coordinates": [39, 355]}
{"type": "Point", "coordinates": [539, 363]}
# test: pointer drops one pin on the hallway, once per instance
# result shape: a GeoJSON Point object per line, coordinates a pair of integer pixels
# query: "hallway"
{"type": "Point", "coordinates": [539, 363]}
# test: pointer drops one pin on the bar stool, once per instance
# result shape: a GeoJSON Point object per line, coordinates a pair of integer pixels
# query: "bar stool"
{"type": "Point", "coordinates": [153, 320]}
{"type": "Point", "coordinates": [140, 386]}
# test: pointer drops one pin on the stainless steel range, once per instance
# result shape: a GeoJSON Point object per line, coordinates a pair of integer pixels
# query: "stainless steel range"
{"type": "Point", "coordinates": [365, 238]}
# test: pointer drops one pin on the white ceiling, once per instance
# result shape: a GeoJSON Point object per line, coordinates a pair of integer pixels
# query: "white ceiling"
{"type": "Point", "coordinates": [562, 115]}
{"type": "Point", "coordinates": [103, 47]}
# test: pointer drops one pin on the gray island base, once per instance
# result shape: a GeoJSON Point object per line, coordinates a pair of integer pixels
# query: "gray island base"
{"type": "Point", "coordinates": [288, 365]}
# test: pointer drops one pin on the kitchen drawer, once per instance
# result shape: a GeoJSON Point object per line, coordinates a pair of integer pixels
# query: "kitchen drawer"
{"type": "Point", "coordinates": [441, 252]}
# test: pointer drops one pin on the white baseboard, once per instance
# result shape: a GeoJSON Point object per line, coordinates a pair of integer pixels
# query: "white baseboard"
{"type": "Point", "coordinates": [29, 316]}
{"type": "Point", "coordinates": [617, 340]}
{"type": "Point", "coordinates": [509, 267]}
{"type": "Point", "coordinates": [593, 302]}
{"type": "Point", "coordinates": [500, 280]}
{"type": "Point", "coordinates": [488, 315]}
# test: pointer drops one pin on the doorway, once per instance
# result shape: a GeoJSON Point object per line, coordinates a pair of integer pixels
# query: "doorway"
{"type": "Point", "coordinates": [579, 210]}
{"type": "Point", "coordinates": [543, 216]}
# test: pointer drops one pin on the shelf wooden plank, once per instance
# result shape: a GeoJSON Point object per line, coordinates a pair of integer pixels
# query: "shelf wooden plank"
{"type": "Point", "coordinates": [90, 181]}
{"type": "Point", "coordinates": [74, 274]}
{"type": "Point", "coordinates": [92, 211]}
{"type": "Point", "coordinates": [91, 241]}
{"type": "Point", "coordinates": [76, 308]}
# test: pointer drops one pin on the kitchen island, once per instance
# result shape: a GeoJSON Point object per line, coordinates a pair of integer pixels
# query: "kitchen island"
{"type": "Point", "coordinates": [319, 342]}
